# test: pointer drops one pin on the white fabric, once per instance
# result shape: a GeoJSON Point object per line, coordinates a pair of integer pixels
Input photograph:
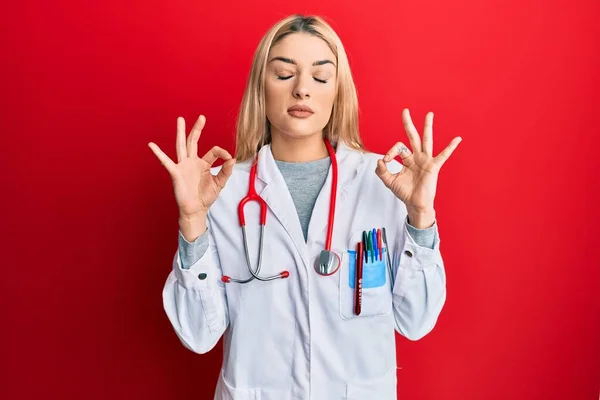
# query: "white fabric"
{"type": "Point", "coordinates": [297, 338]}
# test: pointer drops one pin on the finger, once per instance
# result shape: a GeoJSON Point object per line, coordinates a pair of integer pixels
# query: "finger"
{"type": "Point", "coordinates": [384, 174]}
{"type": "Point", "coordinates": [428, 134]}
{"type": "Point", "coordinates": [192, 141]}
{"type": "Point", "coordinates": [216, 152]}
{"type": "Point", "coordinates": [163, 158]}
{"type": "Point", "coordinates": [445, 154]}
{"type": "Point", "coordinates": [411, 131]}
{"type": "Point", "coordinates": [225, 173]}
{"type": "Point", "coordinates": [180, 142]}
{"type": "Point", "coordinates": [399, 149]}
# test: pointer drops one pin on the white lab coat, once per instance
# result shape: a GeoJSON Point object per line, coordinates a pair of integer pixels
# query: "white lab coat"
{"type": "Point", "coordinates": [297, 338]}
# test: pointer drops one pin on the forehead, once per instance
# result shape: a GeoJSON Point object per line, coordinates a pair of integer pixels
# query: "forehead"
{"type": "Point", "coordinates": [302, 47]}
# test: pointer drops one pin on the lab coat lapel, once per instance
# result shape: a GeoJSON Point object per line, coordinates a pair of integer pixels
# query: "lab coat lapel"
{"type": "Point", "coordinates": [350, 162]}
{"type": "Point", "coordinates": [277, 196]}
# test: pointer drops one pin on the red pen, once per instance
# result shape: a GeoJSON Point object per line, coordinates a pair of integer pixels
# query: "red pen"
{"type": "Point", "coordinates": [379, 244]}
{"type": "Point", "coordinates": [358, 279]}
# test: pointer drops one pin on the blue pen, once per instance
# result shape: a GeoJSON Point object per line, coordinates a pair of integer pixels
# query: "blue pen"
{"type": "Point", "coordinates": [374, 239]}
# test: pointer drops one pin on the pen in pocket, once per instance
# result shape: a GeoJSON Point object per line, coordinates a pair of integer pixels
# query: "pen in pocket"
{"type": "Point", "coordinates": [387, 253]}
{"type": "Point", "coordinates": [365, 246]}
{"type": "Point", "coordinates": [379, 244]}
{"type": "Point", "coordinates": [374, 240]}
{"type": "Point", "coordinates": [358, 279]}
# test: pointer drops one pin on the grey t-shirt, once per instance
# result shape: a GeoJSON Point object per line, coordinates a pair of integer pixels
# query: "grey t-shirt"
{"type": "Point", "coordinates": [304, 181]}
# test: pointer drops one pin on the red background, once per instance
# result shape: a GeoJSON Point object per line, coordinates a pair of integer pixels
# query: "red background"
{"type": "Point", "coordinates": [89, 220]}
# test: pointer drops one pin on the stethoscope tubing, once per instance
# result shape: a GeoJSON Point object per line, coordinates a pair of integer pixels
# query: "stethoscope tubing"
{"type": "Point", "coordinates": [254, 273]}
{"type": "Point", "coordinates": [253, 196]}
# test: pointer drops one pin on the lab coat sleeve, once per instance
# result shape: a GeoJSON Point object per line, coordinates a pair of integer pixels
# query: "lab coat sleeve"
{"type": "Point", "coordinates": [191, 252]}
{"type": "Point", "coordinates": [423, 237]}
{"type": "Point", "coordinates": [419, 284]}
{"type": "Point", "coordinates": [197, 308]}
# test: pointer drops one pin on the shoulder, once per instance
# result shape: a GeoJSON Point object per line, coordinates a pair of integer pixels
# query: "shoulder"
{"type": "Point", "coordinates": [237, 180]}
{"type": "Point", "coordinates": [235, 189]}
{"type": "Point", "coordinates": [242, 168]}
{"type": "Point", "coordinates": [368, 187]}
{"type": "Point", "coordinates": [365, 165]}
{"type": "Point", "coordinates": [370, 160]}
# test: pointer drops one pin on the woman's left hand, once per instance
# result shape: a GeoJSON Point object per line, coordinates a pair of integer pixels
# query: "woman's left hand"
{"type": "Point", "coordinates": [416, 184]}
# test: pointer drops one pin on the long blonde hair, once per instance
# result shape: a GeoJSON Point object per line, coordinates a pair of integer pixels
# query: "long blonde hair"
{"type": "Point", "coordinates": [253, 127]}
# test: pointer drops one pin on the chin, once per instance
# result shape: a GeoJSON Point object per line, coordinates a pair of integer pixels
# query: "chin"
{"type": "Point", "coordinates": [302, 128]}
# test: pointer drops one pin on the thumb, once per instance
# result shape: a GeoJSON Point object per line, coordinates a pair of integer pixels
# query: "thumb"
{"type": "Point", "coordinates": [384, 174]}
{"type": "Point", "coordinates": [225, 172]}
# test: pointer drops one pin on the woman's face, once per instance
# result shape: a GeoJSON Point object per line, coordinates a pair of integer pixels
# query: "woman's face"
{"type": "Point", "coordinates": [301, 71]}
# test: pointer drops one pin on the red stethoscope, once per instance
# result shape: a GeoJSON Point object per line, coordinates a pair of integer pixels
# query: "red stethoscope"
{"type": "Point", "coordinates": [327, 263]}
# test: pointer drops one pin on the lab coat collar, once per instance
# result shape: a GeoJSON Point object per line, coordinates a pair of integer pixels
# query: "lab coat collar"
{"type": "Point", "coordinates": [349, 159]}
{"type": "Point", "coordinates": [276, 194]}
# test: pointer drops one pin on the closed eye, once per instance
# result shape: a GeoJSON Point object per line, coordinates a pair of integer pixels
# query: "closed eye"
{"type": "Point", "coordinates": [284, 78]}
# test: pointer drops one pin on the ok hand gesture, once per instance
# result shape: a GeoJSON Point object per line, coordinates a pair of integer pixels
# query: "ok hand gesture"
{"type": "Point", "coordinates": [416, 184]}
{"type": "Point", "coordinates": [196, 189]}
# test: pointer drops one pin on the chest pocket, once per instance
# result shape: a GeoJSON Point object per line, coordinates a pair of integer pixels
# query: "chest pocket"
{"type": "Point", "coordinates": [376, 288]}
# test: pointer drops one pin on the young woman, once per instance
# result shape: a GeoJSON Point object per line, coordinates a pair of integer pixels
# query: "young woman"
{"type": "Point", "coordinates": [336, 249]}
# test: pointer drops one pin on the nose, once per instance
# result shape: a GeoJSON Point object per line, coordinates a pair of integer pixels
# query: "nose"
{"type": "Point", "coordinates": [301, 90]}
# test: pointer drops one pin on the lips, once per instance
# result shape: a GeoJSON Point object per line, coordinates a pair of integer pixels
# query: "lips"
{"type": "Point", "coordinates": [300, 108]}
{"type": "Point", "coordinates": [300, 111]}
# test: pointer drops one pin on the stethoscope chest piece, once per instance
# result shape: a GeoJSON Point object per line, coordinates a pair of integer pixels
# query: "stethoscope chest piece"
{"type": "Point", "coordinates": [327, 263]}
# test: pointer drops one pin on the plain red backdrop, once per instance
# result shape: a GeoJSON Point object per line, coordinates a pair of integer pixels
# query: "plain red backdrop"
{"type": "Point", "coordinates": [90, 223]}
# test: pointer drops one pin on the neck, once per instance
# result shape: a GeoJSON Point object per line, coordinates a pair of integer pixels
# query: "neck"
{"type": "Point", "coordinates": [288, 149]}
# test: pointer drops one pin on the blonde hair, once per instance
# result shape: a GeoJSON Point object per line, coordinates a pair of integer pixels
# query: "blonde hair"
{"type": "Point", "coordinates": [253, 128]}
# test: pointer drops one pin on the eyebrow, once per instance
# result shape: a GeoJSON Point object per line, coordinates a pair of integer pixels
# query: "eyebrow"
{"type": "Point", "coordinates": [292, 61]}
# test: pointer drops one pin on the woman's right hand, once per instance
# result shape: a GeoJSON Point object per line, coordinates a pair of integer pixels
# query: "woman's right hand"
{"type": "Point", "coordinates": [196, 189]}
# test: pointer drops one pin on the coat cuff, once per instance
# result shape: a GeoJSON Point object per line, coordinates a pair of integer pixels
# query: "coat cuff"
{"type": "Point", "coordinates": [423, 237]}
{"type": "Point", "coordinates": [414, 255]}
{"type": "Point", "coordinates": [191, 252]}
